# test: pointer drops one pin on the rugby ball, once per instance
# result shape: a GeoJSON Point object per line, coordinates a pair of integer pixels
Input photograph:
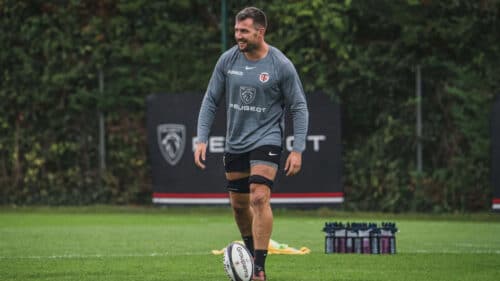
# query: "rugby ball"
{"type": "Point", "coordinates": [238, 262]}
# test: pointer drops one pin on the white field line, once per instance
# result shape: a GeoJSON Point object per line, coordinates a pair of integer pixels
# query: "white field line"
{"type": "Point", "coordinates": [165, 254]}
{"type": "Point", "coordinates": [497, 252]}
{"type": "Point", "coordinates": [103, 256]}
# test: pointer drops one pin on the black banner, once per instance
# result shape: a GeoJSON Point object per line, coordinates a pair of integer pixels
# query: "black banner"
{"type": "Point", "coordinates": [171, 122]}
{"type": "Point", "coordinates": [495, 155]}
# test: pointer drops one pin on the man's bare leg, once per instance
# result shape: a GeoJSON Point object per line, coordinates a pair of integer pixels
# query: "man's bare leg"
{"type": "Point", "coordinates": [242, 212]}
{"type": "Point", "coordinates": [260, 201]}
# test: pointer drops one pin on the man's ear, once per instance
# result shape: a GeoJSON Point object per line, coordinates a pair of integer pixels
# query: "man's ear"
{"type": "Point", "coordinates": [262, 31]}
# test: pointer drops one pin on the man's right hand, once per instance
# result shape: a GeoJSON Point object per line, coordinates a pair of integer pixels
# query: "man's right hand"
{"type": "Point", "coordinates": [200, 154]}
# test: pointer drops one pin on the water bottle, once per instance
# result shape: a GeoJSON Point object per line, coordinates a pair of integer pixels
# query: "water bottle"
{"type": "Point", "coordinates": [349, 243]}
{"type": "Point", "coordinates": [374, 239]}
{"type": "Point", "coordinates": [364, 237]}
{"type": "Point", "coordinates": [340, 238]}
{"type": "Point", "coordinates": [384, 239]}
{"type": "Point", "coordinates": [392, 238]}
{"type": "Point", "coordinates": [357, 238]}
{"type": "Point", "coordinates": [329, 239]}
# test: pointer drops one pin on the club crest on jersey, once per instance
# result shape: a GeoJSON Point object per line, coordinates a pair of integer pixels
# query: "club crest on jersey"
{"type": "Point", "coordinates": [171, 140]}
{"type": "Point", "coordinates": [264, 77]}
{"type": "Point", "coordinates": [247, 94]}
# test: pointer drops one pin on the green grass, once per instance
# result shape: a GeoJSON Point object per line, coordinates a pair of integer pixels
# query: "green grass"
{"type": "Point", "coordinates": [118, 243]}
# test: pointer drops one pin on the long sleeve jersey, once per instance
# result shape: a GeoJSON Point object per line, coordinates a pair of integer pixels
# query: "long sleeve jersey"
{"type": "Point", "coordinates": [257, 94]}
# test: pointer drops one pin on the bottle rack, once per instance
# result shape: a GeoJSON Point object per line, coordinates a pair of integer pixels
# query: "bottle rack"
{"type": "Point", "coordinates": [360, 238]}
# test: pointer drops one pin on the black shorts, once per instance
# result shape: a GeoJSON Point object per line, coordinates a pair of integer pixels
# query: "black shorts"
{"type": "Point", "coordinates": [241, 162]}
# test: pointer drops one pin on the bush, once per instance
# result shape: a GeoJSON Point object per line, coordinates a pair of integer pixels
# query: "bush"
{"type": "Point", "coordinates": [362, 52]}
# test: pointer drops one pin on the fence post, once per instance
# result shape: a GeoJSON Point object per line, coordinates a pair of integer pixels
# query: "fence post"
{"type": "Point", "coordinates": [223, 23]}
{"type": "Point", "coordinates": [102, 132]}
{"type": "Point", "coordinates": [418, 128]}
{"type": "Point", "coordinates": [418, 92]}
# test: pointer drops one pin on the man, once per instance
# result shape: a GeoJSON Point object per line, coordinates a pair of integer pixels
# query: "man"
{"type": "Point", "coordinates": [258, 82]}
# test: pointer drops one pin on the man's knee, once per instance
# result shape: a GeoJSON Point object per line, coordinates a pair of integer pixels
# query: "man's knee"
{"type": "Point", "coordinates": [259, 199]}
{"type": "Point", "coordinates": [240, 202]}
{"type": "Point", "coordinates": [260, 196]}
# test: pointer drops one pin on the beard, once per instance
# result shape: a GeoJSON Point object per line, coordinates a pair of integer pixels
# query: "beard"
{"type": "Point", "coordinates": [248, 48]}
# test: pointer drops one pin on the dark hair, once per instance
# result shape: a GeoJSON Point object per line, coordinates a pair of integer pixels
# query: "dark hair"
{"type": "Point", "coordinates": [258, 16]}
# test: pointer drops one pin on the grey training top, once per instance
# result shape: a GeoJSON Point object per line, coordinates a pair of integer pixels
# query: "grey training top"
{"type": "Point", "coordinates": [256, 93]}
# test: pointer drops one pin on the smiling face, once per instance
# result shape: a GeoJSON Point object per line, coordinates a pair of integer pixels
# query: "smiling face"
{"type": "Point", "coordinates": [248, 35]}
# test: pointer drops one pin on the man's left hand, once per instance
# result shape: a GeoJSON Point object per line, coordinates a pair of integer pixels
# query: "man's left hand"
{"type": "Point", "coordinates": [293, 163]}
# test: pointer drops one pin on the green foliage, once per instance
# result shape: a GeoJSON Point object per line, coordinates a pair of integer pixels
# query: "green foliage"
{"type": "Point", "coordinates": [362, 52]}
{"type": "Point", "coordinates": [449, 41]}
{"type": "Point", "coordinates": [50, 93]}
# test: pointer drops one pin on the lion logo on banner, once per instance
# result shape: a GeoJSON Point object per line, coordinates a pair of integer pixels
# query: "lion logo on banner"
{"type": "Point", "coordinates": [172, 140]}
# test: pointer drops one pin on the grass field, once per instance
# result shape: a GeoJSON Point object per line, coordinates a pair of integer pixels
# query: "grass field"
{"type": "Point", "coordinates": [118, 243]}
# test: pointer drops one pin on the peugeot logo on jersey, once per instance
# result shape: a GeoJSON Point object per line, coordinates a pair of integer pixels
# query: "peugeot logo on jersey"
{"type": "Point", "coordinates": [247, 94]}
{"type": "Point", "coordinates": [172, 140]}
{"type": "Point", "coordinates": [264, 77]}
